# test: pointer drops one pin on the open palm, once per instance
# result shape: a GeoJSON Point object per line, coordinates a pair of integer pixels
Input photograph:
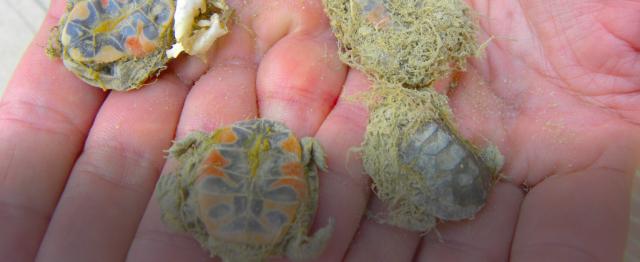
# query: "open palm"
{"type": "Point", "coordinates": [556, 92]}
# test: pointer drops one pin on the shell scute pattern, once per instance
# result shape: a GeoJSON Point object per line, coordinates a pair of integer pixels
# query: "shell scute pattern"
{"type": "Point", "coordinates": [253, 193]}
{"type": "Point", "coordinates": [455, 183]}
{"type": "Point", "coordinates": [114, 44]}
{"type": "Point", "coordinates": [255, 209]}
{"type": "Point", "coordinates": [107, 30]}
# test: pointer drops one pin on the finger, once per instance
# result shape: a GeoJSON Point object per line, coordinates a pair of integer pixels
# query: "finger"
{"type": "Point", "coordinates": [382, 242]}
{"type": "Point", "coordinates": [484, 238]}
{"type": "Point", "coordinates": [478, 111]}
{"type": "Point", "coordinates": [112, 181]}
{"type": "Point", "coordinates": [229, 96]}
{"type": "Point", "coordinates": [225, 94]}
{"type": "Point", "coordinates": [574, 218]}
{"type": "Point", "coordinates": [296, 89]}
{"type": "Point", "coordinates": [580, 216]}
{"type": "Point", "coordinates": [156, 242]}
{"type": "Point", "coordinates": [45, 116]}
{"type": "Point", "coordinates": [344, 189]}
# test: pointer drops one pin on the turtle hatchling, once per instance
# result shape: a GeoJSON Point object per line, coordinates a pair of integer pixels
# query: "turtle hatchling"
{"type": "Point", "coordinates": [119, 44]}
{"type": "Point", "coordinates": [419, 164]}
{"type": "Point", "coordinates": [246, 192]}
{"type": "Point", "coordinates": [408, 42]}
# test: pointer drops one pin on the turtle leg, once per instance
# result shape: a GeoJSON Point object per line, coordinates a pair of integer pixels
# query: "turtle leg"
{"type": "Point", "coordinates": [54, 47]}
{"type": "Point", "coordinates": [181, 147]}
{"type": "Point", "coordinates": [172, 188]}
{"type": "Point", "coordinates": [169, 202]}
{"type": "Point", "coordinates": [312, 153]}
{"type": "Point", "coordinates": [302, 247]}
{"type": "Point", "coordinates": [312, 158]}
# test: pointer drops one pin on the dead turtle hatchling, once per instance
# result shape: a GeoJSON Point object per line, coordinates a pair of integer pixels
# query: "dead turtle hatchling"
{"type": "Point", "coordinates": [420, 166]}
{"type": "Point", "coordinates": [418, 163]}
{"type": "Point", "coordinates": [119, 44]}
{"type": "Point", "coordinates": [246, 192]}
{"type": "Point", "coordinates": [408, 42]}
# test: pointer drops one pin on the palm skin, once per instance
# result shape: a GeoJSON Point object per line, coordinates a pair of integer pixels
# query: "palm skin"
{"type": "Point", "coordinates": [556, 92]}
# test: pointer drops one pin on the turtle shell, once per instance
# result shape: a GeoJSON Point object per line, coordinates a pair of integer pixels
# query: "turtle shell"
{"type": "Point", "coordinates": [116, 44]}
{"type": "Point", "coordinates": [455, 182]}
{"type": "Point", "coordinates": [408, 42]}
{"type": "Point", "coordinates": [251, 183]}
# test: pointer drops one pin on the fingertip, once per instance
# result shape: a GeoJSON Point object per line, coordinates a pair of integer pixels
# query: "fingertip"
{"type": "Point", "coordinates": [486, 237]}
{"type": "Point", "coordinates": [300, 90]}
{"type": "Point", "coordinates": [356, 82]}
{"type": "Point", "coordinates": [55, 12]}
{"type": "Point", "coordinates": [574, 217]}
{"type": "Point", "coordinates": [398, 245]}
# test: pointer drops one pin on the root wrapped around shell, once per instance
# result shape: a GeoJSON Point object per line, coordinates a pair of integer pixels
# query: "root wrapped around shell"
{"type": "Point", "coordinates": [419, 165]}
{"type": "Point", "coordinates": [409, 42]}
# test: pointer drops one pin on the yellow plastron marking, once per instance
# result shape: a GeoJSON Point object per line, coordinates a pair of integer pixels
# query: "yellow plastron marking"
{"type": "Point", "coordinates": [106, 54]}
{"type": "Point", "coordinates": [225, 136]}
{"type": "Point", "coordinates": [261, 145]}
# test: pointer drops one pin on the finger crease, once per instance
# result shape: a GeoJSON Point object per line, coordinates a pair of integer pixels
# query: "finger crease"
{"type": "Point", "coordinates": [39, 117]}
{"type": "Point", "coordinates": [550, 246]}
{"type": "Point", "coordinates": [467, 249]}
{"type": "Point", "coordinates": [127, 160]}
{"type": "Point", "coordinates": [231, 64]}
{"type": "Point", "coordinates": [22, 212]}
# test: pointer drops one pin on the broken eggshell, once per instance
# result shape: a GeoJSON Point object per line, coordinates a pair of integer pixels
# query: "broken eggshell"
{"type": "Point", "coordinates": [198, 24]}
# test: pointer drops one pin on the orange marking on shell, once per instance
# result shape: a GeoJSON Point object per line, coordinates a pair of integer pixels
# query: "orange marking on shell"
{"type": "Point", "coordinates": [299, 186]}
{"type": "Point", "coordinates": [214, 163]}
{"type": "Point", "coordinates": [291, 145]}
{"type": "Point", "coordinates": [292, 174]}
{"type": "Point", "coordinates": [134, 45]}
{"type": "Point", "coordinates": [206, 202]}
{"type": "Point", "coordinates": [225, 136]}
{"type": "Point", "coordinates": [105, 3]}
{"type": "Point", "coordinates": [293, 169]}
{"type": "Point", "coordinates": [138, 45]}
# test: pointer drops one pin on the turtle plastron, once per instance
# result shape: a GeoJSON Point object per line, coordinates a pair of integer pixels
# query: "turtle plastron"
{"type": "Point", "coordinates": [246, 192]}
{"type": "Point", "coordinates": [119, 44]}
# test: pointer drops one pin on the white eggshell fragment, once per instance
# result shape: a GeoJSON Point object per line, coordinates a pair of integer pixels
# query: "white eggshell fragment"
{"type": "Point", "coordinates": [195, 37]}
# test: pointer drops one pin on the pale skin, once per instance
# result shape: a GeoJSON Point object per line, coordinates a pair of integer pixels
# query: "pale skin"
{"type": "Point", "coordinates": [557, 92]}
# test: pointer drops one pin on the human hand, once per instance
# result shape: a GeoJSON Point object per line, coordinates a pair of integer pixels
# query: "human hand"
{"type": "Point", "coordinates": [80, 165]}
{"type": "Point", "coordinates": [557, 92]}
